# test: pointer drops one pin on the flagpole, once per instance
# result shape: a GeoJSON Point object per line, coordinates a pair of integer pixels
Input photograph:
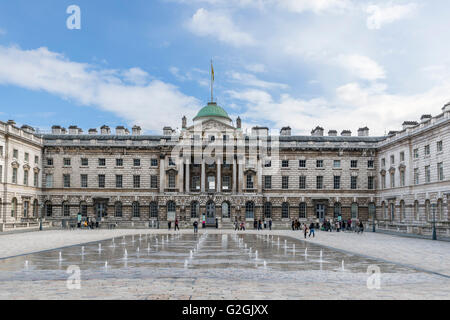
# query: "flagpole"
{"type": "Point", "coordinates": [212, 82]}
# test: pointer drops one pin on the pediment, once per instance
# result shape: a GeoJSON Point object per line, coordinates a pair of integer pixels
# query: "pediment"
{"type": "Point", "coordinates": [211, 125]}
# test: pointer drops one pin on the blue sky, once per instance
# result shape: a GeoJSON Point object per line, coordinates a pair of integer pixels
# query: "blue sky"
{"type": "Point", "coordinates": [340, 64]}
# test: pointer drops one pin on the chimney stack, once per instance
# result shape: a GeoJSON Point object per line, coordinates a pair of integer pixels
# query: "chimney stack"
{"type": "Point", "coordinates": [317, 132]}
{"type": "Point", "coordinates": [346, 133]}
{"type": "Point", "coordinates": [363, 132]}
{"type": "Point", "coordinates": [105, 130]}
{"type": "Point", "coordinates": [136, 130]}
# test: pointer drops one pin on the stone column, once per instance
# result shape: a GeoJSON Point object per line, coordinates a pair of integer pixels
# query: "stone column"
{"type": "Point", "coordinates": [202, 182]}
{"type": "Point", "coordinates": [259, 175]}
{"type": "Point", "coordinates": [219, 176]}
{"type": "Point", "coordinates": [241, 174]}
{"type": "Point", "coordinates": [187, 175]}
{"type": "Point", "coordinates": [162, 174]}
{"type": "Point", "coordinates": [234, 175]}
{"type": "Point", "coordinates": [181, 176]}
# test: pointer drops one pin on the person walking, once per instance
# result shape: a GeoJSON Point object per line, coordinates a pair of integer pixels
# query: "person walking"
{"type": "Point", "coordinates": [176, 225]}
{"type": "Point", "coordinates": [305, 230]}
{"type": "Point", "coordinates": [361, 227]}
{"type": "Point", "coordinates": [195, 226]}
{"type": "Point", "coordinates": [236, 225]}
{"type": "Point", "coordinates": [169, 225]}
{"type": "Point", "coordinates": [259, 224]}
{"type": "Point", "coordinates": [270, 224]}
{"type": "Point", "coordinates": [311, 230]}
{"type": "Point", "coordinates": [293, 224]}
{"type": "Point", "coordinates": [255, 224]}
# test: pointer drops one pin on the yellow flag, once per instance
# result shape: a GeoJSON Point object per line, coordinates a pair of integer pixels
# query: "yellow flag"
{"type": "Point", "coordinates": [212, 72]}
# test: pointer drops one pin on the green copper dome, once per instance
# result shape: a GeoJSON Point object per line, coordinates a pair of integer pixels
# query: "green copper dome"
{"type": "Point", "coordinates": [212, 110]}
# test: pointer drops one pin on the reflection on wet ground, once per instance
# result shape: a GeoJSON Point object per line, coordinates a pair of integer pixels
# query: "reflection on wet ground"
{"type": "Point", "coordinates": [149, 254]}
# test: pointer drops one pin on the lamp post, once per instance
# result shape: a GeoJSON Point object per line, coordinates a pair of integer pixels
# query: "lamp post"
{"type": "Point", "coordinates": [373, 221]}
{"type": "Point", "coordinates": [434, 222]}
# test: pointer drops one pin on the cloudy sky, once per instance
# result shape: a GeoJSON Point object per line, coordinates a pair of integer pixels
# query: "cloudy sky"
{"type": "Point", "coordinates": [340, 64]}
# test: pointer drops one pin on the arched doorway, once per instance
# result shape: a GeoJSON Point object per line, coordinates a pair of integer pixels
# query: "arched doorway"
{"type": "Point", "coordinates": [210, 213]}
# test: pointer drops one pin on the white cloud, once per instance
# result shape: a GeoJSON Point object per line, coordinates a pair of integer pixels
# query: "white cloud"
{"type": "Point", "coordinates": [247, 79]}
{"type": "Point", "coordinates": [136, 76]}
{"type": "Point", "coordinates": [361, 66]}
{"type": "Point", "coordinates": [218, 25]}
{"type": "Point", "coordinates": [256, 68]}
{"type": "Point", "coordinates": [315, 6]}
{"type": "Point", "coordinates": [152, 105]}
{"type": "Point", "coordinates": [380, 15]}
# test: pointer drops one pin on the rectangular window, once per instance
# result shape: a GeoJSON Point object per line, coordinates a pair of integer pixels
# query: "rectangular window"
{"type": "Point", "coordinates": [84, 162]}
{"type": "Point", "coordinates": [402, 178]}
{"type": "Point", "coordinates": [119, 181]}
{"type": "Point", "coordinates": [154, 182]}
{"type": "Point", "coordinates": [439, 146]}
{"type": "Point", "coordinates": [402, 156]}
{"type": "Point", "coordinates": [336, 163]}
{"type": "Point", "coordinates": [226, 182]}
{"type": "Point", "coordinates": [354, 164]}
{"type": "Point", "coordinates": [1, 151]}
{"type": "Point", "coordinates": [416, 153]}
{"type": "Point", "coordinates": [440, 171]}
{"type": "Point", "coordinates": [50, 162]}
{"type": "Point", "coordinates": [319, 182]}
{"type": "Point", "coordinates": [84, 180]}
{"type": "Point", "coordinates": [16, 154]}
{"type": "Point", "coordinates": [392, 176]}
{"type": "Point", "coordinates": [427, 174]}
{"type": "Point", "coordinates": [383, 162]}
{"type": "Point", "coordinates": [154, 162]}
{"type": "Point", "coordinates": [302, 182]}
{"type": "Point", "coordinates": [27, 157]}
{"type": "Point", "coordinates": [101, 162]}
{"type": "Point", "coordinates": [319, 163]}
{"type": "Point", "coordinates": [136, 181]}
{"type": "Point", "coordinates": [337, 182]}
{"type": "Point", "coordinates": [249, 181]}
{"type": "Point", "coordinates": [371, 183]}
{"type": "Point", "coordinates": [25, 177]}
{"type": "Point", "coordinates": [392, 159]}
{"type": "Point", "coordinates": [267, 182]}
{"type": "Point", "coordinates": [383, 181]}
{"type": "Point", "coordinates": [66, 162]}
{"type": "Point", "coordinates": [36, 159]}
{"type": "Point", "coordinates": [196, 182]}
{"type": "Point", "coordinates": [137, 162]}
{"type": "Point", "coordinates": [1, 174]}
{"type": "Point", "coordinates": [416, 176]}
{"type": "Point", "coordinates": [370, 164]}
{"type": "Point", "coordinates": [49, 181]}
{"type": "Point", "coordinates": [353, 183]}
{"type": "Point", "coordinates": [66, 180]}
{"type": "Point", "coordinates": [302, 163]}
{"type": "Point", "coordinates": [285, 182]}
{"type": "Point", "coordinates": [285, 163]}
{"type": "Point", "coordinates": [427, 150]}
{"type": "Point", "coordinates": [172, 181]}
{"type": "Point", "coordinates": [101, 180]}
{"type": "Point", "coordinates": [171, 162]}
{"type": "Point", "coordinates": [119, 162]}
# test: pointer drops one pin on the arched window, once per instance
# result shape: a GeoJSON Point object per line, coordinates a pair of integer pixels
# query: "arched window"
{"type": "Point", "coordinates": [392, 211]}
{"type": "Point", "coordinates": [65, 209]}
{"type": "Point", "coordinates": [195, 208]}
{"type": "Point", "coordinates": [372, 211]}
{"type": "Point", "coordinates": [402, 210]}
{"type": "Point", "coordinates": [249, 210]}
{"type": "Point", "coordinates": [267, 210]}
{"type": "Point", "coordinates": [302, 210]}
{"type": "Point", "coordinates": [136, 209]}
{"type": "Point", "coordinates": [153, 210]}
{"type": "Point", "coordinates": [118, 209]}
{"type": "Point", "coordinates": [83, 209]}
{"type": "Point", "coordinates": [13, 207]}
{"type": "Point", "coordinates": [48, 209]}
{"type": "Point", "coordinates": [416, 210]}
{"type": "Point", "coordinates": [427, 210]}
{"type": "Point", "coordinates": [354, 210]}
{"type": "Point", "coordinates": [337, 210]}
{"type": "Point", "coordinates": [226, 212]}
{"type": "Point", "coordinates": [285, 210]}
{"type": "Point", "coordinates": [171, 207]}
{"type": "Point", "coordinates": [35, 208]}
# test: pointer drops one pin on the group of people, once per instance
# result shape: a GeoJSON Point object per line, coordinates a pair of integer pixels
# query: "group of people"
{"type": "Point", "coordinates": [328, 225]}
{"type": "Point", "coordinates": [87, 223]}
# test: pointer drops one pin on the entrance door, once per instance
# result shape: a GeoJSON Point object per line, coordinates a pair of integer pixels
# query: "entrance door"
{"type": "Point", "coordinates": [210, 213]}
{"type": "Point", "coordinates": [320, 211]}
{"type": "Point", "coordinates": [100, 209]}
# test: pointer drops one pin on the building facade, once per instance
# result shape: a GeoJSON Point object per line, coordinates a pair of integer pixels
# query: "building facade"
{"type": "Point", "coordinates": [213, 169]}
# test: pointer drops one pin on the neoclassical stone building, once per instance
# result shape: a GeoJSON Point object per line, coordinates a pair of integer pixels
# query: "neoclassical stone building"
{"type": "Point", "coordinates": [214, 169]}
